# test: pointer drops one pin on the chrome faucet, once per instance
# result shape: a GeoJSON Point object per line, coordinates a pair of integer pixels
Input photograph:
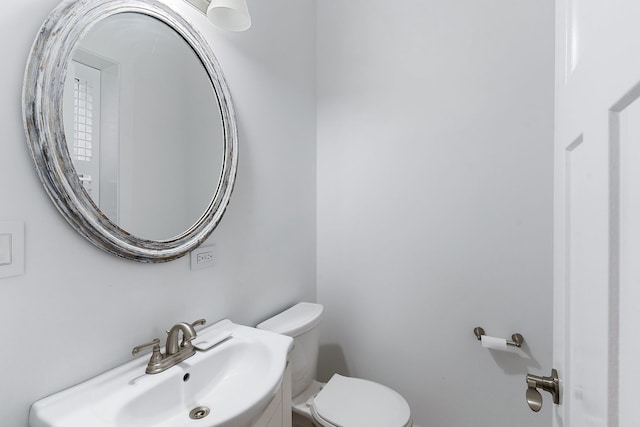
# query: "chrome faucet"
{"type": "Point", "coordinates": [174, 353]}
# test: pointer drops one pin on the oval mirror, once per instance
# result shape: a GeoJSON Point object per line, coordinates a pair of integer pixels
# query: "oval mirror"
{"type": "Point", "coordinates": [131, 127]}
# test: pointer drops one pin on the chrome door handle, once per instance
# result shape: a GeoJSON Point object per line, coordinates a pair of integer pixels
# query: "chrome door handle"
{"type": "Point", "coordinates": [550, 384]}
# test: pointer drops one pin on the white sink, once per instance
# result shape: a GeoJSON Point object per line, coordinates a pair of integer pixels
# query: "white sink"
{"type": "Point", "coordinates": [235, 380]}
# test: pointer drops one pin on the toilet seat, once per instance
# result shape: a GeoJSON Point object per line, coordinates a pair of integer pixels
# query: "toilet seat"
{"type": "Point", "coordinates": [354, 402]}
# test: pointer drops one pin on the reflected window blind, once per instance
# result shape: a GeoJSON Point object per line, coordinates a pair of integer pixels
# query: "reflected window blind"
{"type": "Point", "coordinates": [82, 119]}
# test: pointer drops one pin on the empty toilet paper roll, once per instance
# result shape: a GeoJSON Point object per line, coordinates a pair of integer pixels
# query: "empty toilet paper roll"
{"type": "Point", "coordinates": [494, 343]}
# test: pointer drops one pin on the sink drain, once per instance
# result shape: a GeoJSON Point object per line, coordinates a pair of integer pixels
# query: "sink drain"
{"type": "Point", "coordinates": [199, 413]}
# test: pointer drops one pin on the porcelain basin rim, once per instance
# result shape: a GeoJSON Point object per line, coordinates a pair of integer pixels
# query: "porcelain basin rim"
{"type": "Point", "coordinates": [44, 411]}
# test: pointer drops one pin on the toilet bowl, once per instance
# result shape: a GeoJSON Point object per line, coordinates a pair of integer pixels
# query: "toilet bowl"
{"type": "Point", "coordinates": [342, 401]}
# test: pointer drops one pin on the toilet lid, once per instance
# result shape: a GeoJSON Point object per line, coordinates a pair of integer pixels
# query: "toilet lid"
{"type": "Point", "coordinates": [353, 402]}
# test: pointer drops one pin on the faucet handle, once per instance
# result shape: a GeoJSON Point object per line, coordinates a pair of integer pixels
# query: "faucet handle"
{"type": "Point", "coordinates": [156, 348]}
{"type": "Point", "coordinates": [186, 340]}
{"type": "Point", "coordinates": [198, 322]}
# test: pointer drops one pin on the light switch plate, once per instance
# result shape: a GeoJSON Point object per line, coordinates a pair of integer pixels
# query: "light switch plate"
{"type": "Point", "coordinates": [5, 249]}
{"type": "Point", "coordinates": [11, 248]}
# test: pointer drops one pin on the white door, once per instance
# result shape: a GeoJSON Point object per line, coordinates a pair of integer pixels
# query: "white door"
{"type": "Point", "coordinates": [597, 213]}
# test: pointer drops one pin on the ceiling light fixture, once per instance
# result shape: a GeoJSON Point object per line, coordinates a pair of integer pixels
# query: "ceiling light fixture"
{"type": "Point", "coordinates": [232, 15]}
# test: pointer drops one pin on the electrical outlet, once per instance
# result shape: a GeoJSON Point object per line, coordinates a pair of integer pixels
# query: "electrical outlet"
{"type": "Point", "coordinates": [202, 257]}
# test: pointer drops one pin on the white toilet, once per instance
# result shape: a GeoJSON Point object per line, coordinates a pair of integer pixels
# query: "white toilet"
{"type": "Point", "coordinates": [343, 401]}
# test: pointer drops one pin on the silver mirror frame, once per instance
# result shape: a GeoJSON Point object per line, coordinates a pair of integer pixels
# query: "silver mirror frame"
{"type": "Point", "coordinates": [42, 115]}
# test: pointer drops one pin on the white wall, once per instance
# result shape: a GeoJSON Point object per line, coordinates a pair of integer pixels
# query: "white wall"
{"type": "Point", "coordinates": [78, 311]}
{"type": "Point", "coordinates": [435, 131]}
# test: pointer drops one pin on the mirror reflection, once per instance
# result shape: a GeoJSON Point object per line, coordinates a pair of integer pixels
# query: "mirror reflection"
{"type": "Point", "coordinates": [143, 126]}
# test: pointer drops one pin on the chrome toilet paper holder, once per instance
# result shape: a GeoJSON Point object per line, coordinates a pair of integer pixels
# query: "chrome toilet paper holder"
{"type": "Point", "coordinates": [516, 339]}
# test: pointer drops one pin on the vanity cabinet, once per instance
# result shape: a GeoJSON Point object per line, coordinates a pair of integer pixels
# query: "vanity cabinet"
{"type": "Point", "coordinates": [278, 413]}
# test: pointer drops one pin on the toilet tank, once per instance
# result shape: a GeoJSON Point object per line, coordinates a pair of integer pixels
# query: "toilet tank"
{"type": "Point", "coordinates": [299, 322]}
